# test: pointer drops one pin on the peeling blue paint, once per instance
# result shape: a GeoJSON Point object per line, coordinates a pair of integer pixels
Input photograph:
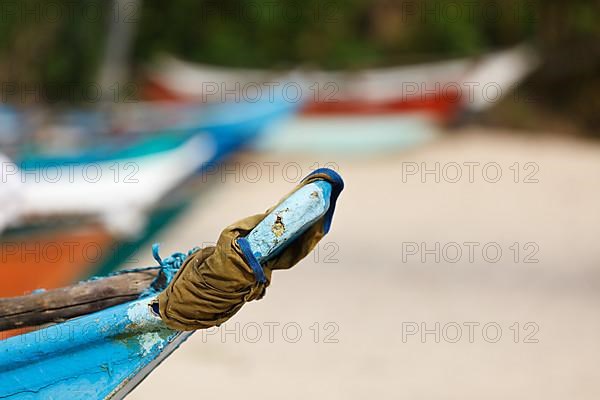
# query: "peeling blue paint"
{"type": "Point", "coordinates": [290, 219]}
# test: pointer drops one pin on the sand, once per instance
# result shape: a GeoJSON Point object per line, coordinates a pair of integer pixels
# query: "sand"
{"type": "Point", "coordinates": [347, 322]}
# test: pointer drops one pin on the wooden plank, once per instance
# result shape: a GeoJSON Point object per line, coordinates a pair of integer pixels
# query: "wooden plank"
{"type": "Point", "coordinates": [83, 298]}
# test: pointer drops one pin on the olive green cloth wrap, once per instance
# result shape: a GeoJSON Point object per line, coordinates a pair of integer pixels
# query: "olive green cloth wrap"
{"type": "Point", "coordinates": [214, 282]}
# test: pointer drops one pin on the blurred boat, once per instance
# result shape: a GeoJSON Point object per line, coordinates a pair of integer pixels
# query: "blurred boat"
{"type": "Point", "coordinates": [163, 145]}
{"type": "Point", "coordinates": [49, 255]}
{"type": "Point", "coordinates": [10, 125]}
{"type": "Point", "coordinates": [134, 129]}
{"type": "Point", "coordinates": [355, 112]}
{"type": "Point", "coordinates": [10, 193]}
{"type": "Point", "coordinates": [349, 135]}
{"type": "Point", "coordinates": [75, 223]}
{"type": "Point", "coordinates": [442, 89]}
{"type": "Point", "coordinates": [119, 189]}
{"type": "Point", "coordinates": [85, 214]}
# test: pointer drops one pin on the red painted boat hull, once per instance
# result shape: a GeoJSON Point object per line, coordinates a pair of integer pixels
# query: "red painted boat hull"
{"type": "Point", "coordinates": [50, 259]}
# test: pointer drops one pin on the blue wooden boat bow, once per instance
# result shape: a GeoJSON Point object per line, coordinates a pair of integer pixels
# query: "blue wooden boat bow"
{"type": "Point", "coordinates": [106, 354]}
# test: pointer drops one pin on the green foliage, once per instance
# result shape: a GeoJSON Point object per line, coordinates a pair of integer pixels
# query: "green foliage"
{"type": "Point", "coordinates": [54, 44]}
{"type": "Point", "coordinates": [331, 34]}
{"type": "Point", "coordinates": [273, 33]}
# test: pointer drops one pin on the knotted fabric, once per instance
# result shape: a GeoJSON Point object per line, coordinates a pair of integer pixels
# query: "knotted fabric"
{"type": "Point", "coordinates": [215, 282]}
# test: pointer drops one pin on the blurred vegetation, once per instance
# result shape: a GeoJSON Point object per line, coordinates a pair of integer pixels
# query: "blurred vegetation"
{"type": "Point", "coordinates": [256, 33]}
{"type": "Point", "coordinates": [330, 34]}
{"type": "Point", "coordinates": [48, 43]}
{"type": "Point", "coordinates": [39, 48]}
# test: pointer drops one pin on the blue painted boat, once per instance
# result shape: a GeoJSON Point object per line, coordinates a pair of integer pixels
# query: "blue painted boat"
{"type": "Point", "coordinates": [143, 129]}
{"type": "Point", "coordinates": [106, 354]}
{"type": "Point", "coordinates": [115, 216]}
{"type": "Point", "coordinates": [155, 162]}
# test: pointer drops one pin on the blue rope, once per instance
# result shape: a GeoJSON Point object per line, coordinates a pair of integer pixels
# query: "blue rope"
{"type": "Point", "coordinates": [168, 268]}
{"type": "Point", "coordinates": [171, 264]}
{"type": "Point", "coordinates": [251, 259]}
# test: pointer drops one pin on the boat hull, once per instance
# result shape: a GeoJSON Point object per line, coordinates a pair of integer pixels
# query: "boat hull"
{"type": "Point", "coordinates": [51, 258]}
{"type": "Point", "coordinates": [445, 88]}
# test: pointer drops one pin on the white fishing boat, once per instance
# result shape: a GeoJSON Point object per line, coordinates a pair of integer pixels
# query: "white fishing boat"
{"type": "Point", "coordinates": [124, 177]}
{"type": "Point", "coordinates": [113, 197]}
{"type": "Point", "coordinates": [442, 88]}
{"type": "Point", "coordinates": [119, 191]}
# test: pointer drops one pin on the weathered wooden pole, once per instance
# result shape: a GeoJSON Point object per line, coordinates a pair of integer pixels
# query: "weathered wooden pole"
{"type": "Point", "coordinates": [58, 305]}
